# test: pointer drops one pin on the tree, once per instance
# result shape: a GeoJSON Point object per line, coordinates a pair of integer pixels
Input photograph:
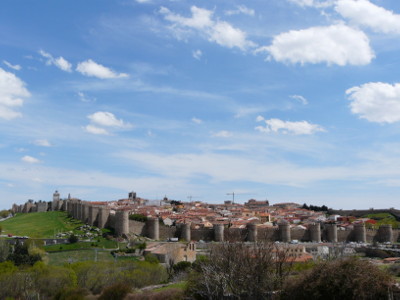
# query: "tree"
{"type": "Point", "coordinates": [4, 250]}
{"type": "Point", "coordinates": [20, 255]}
{"type": "Point", "coordinates": [348, 279]}
{"type": "Point", "coordinates": [73, 239]}
{"type": "Point", "coordinates": [117, 291]}
{"type": "Point", "coordinates": [1, 229]}
{"type": "Point", "coordinates": [4, 213]}
{"type": "Point", "coordinates": [240, 271]}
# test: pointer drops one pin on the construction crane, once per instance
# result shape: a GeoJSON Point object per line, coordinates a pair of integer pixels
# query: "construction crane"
{"type": "Point", "coordinates": [233, 195]}
{"type": "Point", "coordinates": [190, 197]}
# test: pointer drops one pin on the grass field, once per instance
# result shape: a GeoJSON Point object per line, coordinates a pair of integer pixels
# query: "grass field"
{"type": "Point", "coordinates": [62, 257]}
{"type": "Point", "coordinates": [39, 225]}
{"type": "Point", "coordinates": [97, 243]}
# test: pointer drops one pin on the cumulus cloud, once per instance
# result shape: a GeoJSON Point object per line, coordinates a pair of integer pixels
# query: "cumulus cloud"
{"type": "Point", "coordinates": [299, 98]}
{"type": "Point", "coordinates": [220, 32]}
{"type": "Point", "coordinates": [30, 159]}
{"type": "Point", "coordinates": [196, 120]}
{"type": "Point", "coordinates": [365, 13]}
{"type": "Point", "coordinates": [93, 69]}
{"type": "Point", "coordinates": [223, 134]}
{"type": "Point", "coordinates": [107, 119]}
{"type": "Point", "coordinates": [59, 62]}
{"type": "Point", "coordinates": [240, 9]}
{"type": "Point", "coordinates": [287, 127]}
{"type": "Point", "coordinates": [96, 130]}
{"type": "Point", "coordinates": [14, 67]}
{"type": "Point", "coordinates": [42, 142]}
{"type": "Point", "coordinates": [376, 101]}
{"type": "Point", "coordinates": [12, 90]}
{"type": "Point", "coordinates": [336, 44]}
{"type": "Point", "coordinates": [102, 119]}
{"type": "Point", "coordinates": [197, 54]}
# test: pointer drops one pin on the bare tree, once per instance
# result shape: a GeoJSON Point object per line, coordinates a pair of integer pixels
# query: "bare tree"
{"type": "Point", "coordinates": [238, 270]}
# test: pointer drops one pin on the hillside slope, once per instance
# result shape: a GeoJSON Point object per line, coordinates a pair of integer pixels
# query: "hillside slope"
{"type": "Point", "coordinates": [39, 225]}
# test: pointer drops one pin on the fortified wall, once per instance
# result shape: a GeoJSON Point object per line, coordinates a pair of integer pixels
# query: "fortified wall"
{"type": "Point", "coordinates": [362, 212]}
{"type": "Point", "coordinates": [102, 217]}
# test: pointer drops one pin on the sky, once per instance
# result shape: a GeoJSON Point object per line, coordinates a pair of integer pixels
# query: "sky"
{"type": "Point", "coordinates": [285, 100]}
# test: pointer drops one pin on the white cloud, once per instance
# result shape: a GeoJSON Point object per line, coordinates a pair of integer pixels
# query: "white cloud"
{"type": "Point", "coordinates": [337, 44]}
{"type": "Point", "coordinates": [197, 54]}
{"type": "Point", "coordinates": [216, 31]}
{"type": "Point", "coordinates": [365, 13]}
{"type": "Point", "coordinates": [143, 1]}
{"type": "Point", "coordinates": [196, 120]}
{"type": "Point", "coordinates": [107, 119]}
{"type": "Point", "coordinates": [376, 101]}
{"type": "Point", "coordinates": [85, 98]}
{"type": "Point", "coordinates": [240, 9]}
{"type": "Point", "coordinates": [14, 67]}
{"type": "Point", "coordinates": [223, 134]}
{"type": "Point", "coordinates": [102, 119]}
{"type": "Point", "coordinates": [287, 127]}
{"type": "Point", "coordinates": [8, 114]}
{"type": "Point", "coordinates": [12, 90]}
{"type": "Point", "coordinates": [260, 118]}
{"type": "Point", "coordinates": [42, 142]}
{"type": "Point", "coordinates": [299, 98]}
{"type": "Point", "coordinates": [93, 69]}
{"type": "Point", "coordinates": [244, 111]}
{"type": "Point", "coordinates": [96, 130]}
{"type": "Point", "coordinates": [313, 3]}
{"type": "Point", "coordinates": [59, 62]}
{"type": "Point", "coordinates": [30, 159]}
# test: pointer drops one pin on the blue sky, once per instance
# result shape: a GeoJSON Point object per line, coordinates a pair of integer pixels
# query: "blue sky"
{"type": "Point", "coordinates": [290, 100]}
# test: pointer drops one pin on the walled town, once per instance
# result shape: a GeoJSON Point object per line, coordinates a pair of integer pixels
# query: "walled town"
{"type": "Point", "coordinates": [309, 234]}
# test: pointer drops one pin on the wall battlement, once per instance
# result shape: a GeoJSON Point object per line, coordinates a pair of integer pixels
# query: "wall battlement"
{"type": "Point", "coordinates": [101, 216]}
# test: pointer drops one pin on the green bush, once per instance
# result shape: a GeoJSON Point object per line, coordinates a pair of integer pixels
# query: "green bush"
{"type": "Point", "coordinates": [138, 217]}
{"type": "Point", "coordinates": [347, 279]}
{"type": "Point", "coordinates": [73, 239]}
{"type": "Point", "coordinates": [182, 266]}
{"type": "Point", "coordinates": [71, 294]}
{"type": "Point", "coordinates": [116, 291]}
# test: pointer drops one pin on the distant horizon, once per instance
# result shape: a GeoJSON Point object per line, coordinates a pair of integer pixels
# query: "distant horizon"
{"type": "Point", "coordinates": [288, 100]}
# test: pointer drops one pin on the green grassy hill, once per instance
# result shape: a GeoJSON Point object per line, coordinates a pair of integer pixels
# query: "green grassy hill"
{"type": "Point", "coordinates": [384, 218]}
{"type": "Point", "coordinates": [39, 225]}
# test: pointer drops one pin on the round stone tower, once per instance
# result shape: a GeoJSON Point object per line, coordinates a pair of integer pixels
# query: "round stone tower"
{"type": "Point", "coordinates": [331, 230]}
{"type": "Point", "coordinates": [122, 222]}
{"type": "Point", "coordinates": [104, 212]}
{"type": "Point", "coordinates": [252, 232]}
{"type": "Point", "coordinates": [153, 228]}
{"type": "Point", "coordinates": [360, 234]}
{"type": "Point", "coordinates": [186, 233]}
{"type": "Point", "coordinates": [284, 232]}
{"type": "Point", "coordinates": [219, 232]}
{"type": "Point", "coordinates": [385, 233]}
{"type": "Point", "coordinates": [93, 215]}
{"type": "Point", "coordinates": [315, 233]}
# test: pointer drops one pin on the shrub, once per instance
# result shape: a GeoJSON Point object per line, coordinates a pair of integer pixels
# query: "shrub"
{"type": "Point", "coordinates": [73, 239]}
{"type": "Point", "coordinates": [117, 291]}
{"type": "Point", "coordinates": [138, 217]}
{"type": "Point", "coordinates": [151, 258]}
{"type": "Point", "coordinates": [71, 294]}
{"type": "Point", "coordinates": [181, 266]}
{"type": "Point", "coordinates": [167, 294]}
{"type": "Point", "coordinates": [347, 279]}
